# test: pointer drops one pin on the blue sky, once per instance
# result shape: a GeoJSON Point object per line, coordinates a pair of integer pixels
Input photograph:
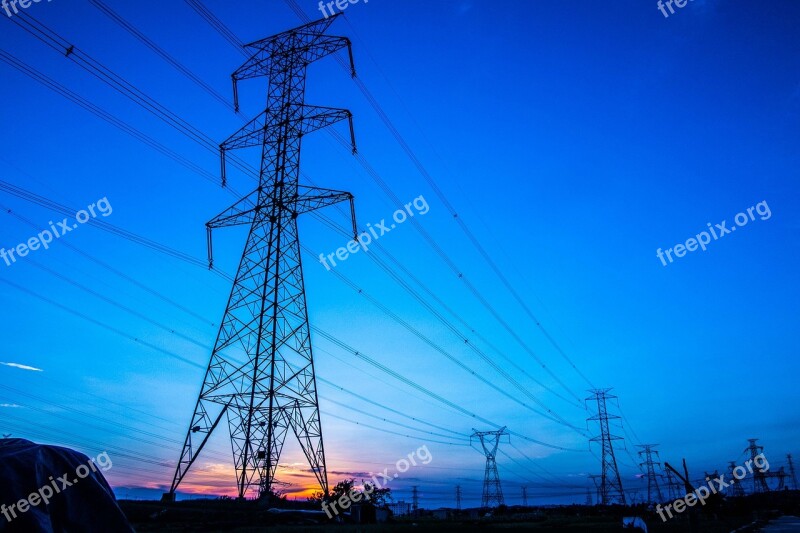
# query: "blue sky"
{"type": "Point", "coordinates": [573, 138]}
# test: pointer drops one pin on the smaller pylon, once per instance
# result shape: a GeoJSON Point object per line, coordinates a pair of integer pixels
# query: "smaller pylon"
{"type": "Point", "coordinates": [673, 485]}
{"type": "Point", "coordinates": [792, 475]}
{"type": "Point", "coordinates": [759, 479]}
{"type": "Point", "coordinates": [781, 475]}
{"type": "Point", "coordinates": [414, 500]}
{"type": "Point", "coordinates": [611, 490]}
{"type": "Point", "coordinates": [596, 480]}
{"type": "Point", "coordinates": [653, 490]}
{"type": "Point", "coordinates": [492, 491]}
{"type": "Point", "coordinates": [735, 488]}
{"type": "Point", "coordinates": [524, 495]}
{"type": "Point", "coordinates": [458, 497]}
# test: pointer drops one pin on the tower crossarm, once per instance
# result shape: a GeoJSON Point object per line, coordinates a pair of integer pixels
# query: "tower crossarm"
{"type": "Point", "coordinates": [270, 51]}
{"type": "Point", "coordinates": [306, 200]}
{"type": "Point", "coordinates": [263, 128]}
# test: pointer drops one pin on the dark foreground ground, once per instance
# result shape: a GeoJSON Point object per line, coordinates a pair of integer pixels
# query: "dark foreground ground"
{"type": "Point", "coordinates": [742, 514]}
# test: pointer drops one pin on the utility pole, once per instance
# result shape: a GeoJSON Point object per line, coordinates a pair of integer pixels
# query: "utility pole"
{"type": "Point", "coordinates": [648, 450]}
{"type": "Point", "coordinates": [759, 479]}
{"type": "Point", "coordinates": [524, 496]}
{"type": "Point", "coordinates": [458, 497]}
{"type": "Point", "coordinates": [611, 483]}
{"type": "Point", "coordinates": [261, 372]}
{"type": "Point", "coordinates": [492, 491]}
{"type": "Point", "coordinates": [791, 472]}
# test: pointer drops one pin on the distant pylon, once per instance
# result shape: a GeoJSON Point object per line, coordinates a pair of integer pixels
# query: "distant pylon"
{"type": "Point", "coordinates": [414, 499]}
{"type": "Point", "coordinates": [610, 482]}
{"type": "Point", "coordinates": [524, 496]}
{"type": "Point", "coordinates": [759, 479]}
{"type": "Point", "coordinates": [492, 491]}
{"type": "Point", "coordinates": [589, 497]}
{"type": "Point", "coordinates": [596, 481]}
{"type": "Point", "coordinates": [458, 497]}
{"type": "Point", "coordinates": [791, 472]}
{"type": "Point", "coordinates": [653, 490]}
{"type": "Point", "coordinates": [781, 475]}
{"type": "Point", "coordinates": [735, 488]}
{"type": "Point", "coordinates": [260, 377]}
{"type": "Point", "coordinates": [674, 487]}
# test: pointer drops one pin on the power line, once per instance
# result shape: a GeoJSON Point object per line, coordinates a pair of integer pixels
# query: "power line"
{"type": "Point", "coordinates": [217, 24]}
{"type": "Point", "coordinates": [451, 209]}
{"type": "Point", "coordinates": [549, 414]}
{"type": "Point", "coordinates": [429, 240]}
{"type": "Point", "coordinates": [163, 54]}
{"type": "Point", "coordinates": [105, 115]}
{"type": "Point", "coordinates": [424, 301]}
{"type": "Point", "coordinates": [116, 272]}
{"type": "Point", "coordinates": [29, 196]}
{"type": "Point", "coordinates": [118, 83]}
{"type": "Point", "coordinates": [100, 324]}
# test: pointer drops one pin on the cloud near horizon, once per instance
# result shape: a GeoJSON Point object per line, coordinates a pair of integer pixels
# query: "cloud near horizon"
{"type": "Point", "coordinates": [22, 367]}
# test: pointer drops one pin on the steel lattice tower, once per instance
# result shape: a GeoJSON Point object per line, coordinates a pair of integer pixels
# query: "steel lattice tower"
{"type": "Point", "coordinates": [652, 480]}
{"type": "Point", "coordinates": [791, 471]}
{"type": "Point", "coordinates": [673, 485]}
{"type": "Point", "coordinates": [759, 479]}
{"type": "Point", "coordinates": [261, 372]}
{"type": "Point", "coordinates": [610, 482]}
{"type": "Point", "coordinates": [594, 478]}
{"type": "Point", "coordinates": [735, 488]}
{"type": "Point", "coordinates": [492, 491]}
{"type": "Point", "coordinates": [458, 497]}
{"type": "Point", "coordinates": [524, 495]}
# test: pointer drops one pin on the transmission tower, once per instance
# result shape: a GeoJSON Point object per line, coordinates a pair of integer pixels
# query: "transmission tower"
{"type": "Point", "coordinates": [759, 479]}
{"type": "Point", "coordinates": [610, 482]}
{"type": "Point", "coordinates": [261, 372]}
{"type": "Point", "coordinates": [648, 450]}
{"type": "Point", "coordinates": [492, 491]}
{"type": "Point", "coordinates": [792, 475]}
{"type": "Point", "coordinates": [735, 488]}
{"type": "Point", "coordinates": [674, 487]}
{"type": "Point", "coordinates": [589, 498]}
{"type": "Point", "coordinates": [595, 480]}
{"type": "Point", "coordinates": [458, 497]}
{"type": "Point", "coordinates": [781, 475]}
{"type": "Point", "coordinates": [414, 499]}
{"type": "Point", "coordinates": [524, 496]}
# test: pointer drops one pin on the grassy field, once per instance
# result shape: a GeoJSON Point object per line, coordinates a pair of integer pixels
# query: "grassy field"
{"type": "Point", "coordinates": [242, 517]}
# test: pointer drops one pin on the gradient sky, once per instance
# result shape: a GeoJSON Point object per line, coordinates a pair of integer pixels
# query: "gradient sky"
{"type": "Point", "coordinates": [574, 138]}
